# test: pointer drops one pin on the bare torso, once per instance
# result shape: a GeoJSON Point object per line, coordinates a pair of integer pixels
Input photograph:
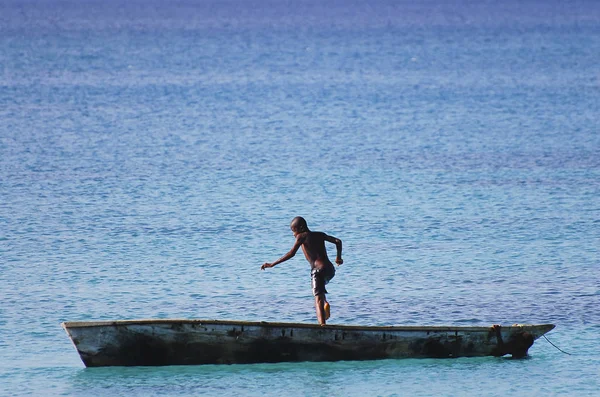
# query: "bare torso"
{"type": "Point", "coordinates": [313, 246]}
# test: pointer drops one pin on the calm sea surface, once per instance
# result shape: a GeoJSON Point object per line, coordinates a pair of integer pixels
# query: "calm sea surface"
{"type": "Point", "coordinates": [153, 153]}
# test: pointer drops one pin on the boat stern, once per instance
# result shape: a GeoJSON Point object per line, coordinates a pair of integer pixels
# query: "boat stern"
{"type": "Point", "coordinates": [518, 338]}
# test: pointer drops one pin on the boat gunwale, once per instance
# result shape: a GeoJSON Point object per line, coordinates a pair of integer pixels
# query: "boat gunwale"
{"type": "Point", "coordinates": [84, 324]}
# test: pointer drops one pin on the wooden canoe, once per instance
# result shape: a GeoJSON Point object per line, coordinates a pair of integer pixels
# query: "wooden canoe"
{"type": "Point", "coordinates": [192, 342]}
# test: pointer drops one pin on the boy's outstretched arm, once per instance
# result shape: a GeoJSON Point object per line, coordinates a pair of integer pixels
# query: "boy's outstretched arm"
{"type": "Point", "coordinates": [287, 256]}
{"type": "Point", "coordinates": [338, 246]}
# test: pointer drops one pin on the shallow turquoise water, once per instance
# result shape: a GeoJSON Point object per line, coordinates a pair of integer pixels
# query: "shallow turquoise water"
{"type": "Point", "coordinates": [152, 157]}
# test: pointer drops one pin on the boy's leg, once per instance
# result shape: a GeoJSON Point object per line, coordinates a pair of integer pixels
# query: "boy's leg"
{"type": "Point", "coordinates": [320, 307]}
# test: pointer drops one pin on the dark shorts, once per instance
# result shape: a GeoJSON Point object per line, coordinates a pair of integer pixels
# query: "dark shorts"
{"type": "Point", "coordinates": [320, 277]}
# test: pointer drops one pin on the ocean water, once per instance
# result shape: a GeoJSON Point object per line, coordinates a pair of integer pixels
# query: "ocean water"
{"type": "Point", "coordinates": [153, 153]}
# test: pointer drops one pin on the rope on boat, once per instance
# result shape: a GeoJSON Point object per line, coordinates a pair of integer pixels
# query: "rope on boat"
{"type": "Point", "coordinates": [558, 348]}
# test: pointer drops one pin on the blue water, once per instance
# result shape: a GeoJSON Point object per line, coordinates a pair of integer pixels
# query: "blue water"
{"type": "Point", "coordinates": [152, 155]}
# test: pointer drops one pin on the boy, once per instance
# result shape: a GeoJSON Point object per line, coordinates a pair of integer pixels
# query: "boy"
{"type": "Point", "coordinates": [322, 270]}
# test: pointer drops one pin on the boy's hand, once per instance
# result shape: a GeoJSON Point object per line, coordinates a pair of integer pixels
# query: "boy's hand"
{"type": "Point", "coordinates": [266, 265]}
{"type": "Point", "coordinates": [339, 261]}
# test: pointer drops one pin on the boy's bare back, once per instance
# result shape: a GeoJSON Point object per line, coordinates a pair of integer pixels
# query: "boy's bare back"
{"type": "Point", "coordinates": [313, 246]}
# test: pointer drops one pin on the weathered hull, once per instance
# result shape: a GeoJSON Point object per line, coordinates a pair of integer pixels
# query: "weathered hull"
{"type": "Point", "coordinates": [192, 342]}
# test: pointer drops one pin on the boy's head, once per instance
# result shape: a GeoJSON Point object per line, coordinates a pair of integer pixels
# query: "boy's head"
{"type": "Point", "coordinates": [298, 225]}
